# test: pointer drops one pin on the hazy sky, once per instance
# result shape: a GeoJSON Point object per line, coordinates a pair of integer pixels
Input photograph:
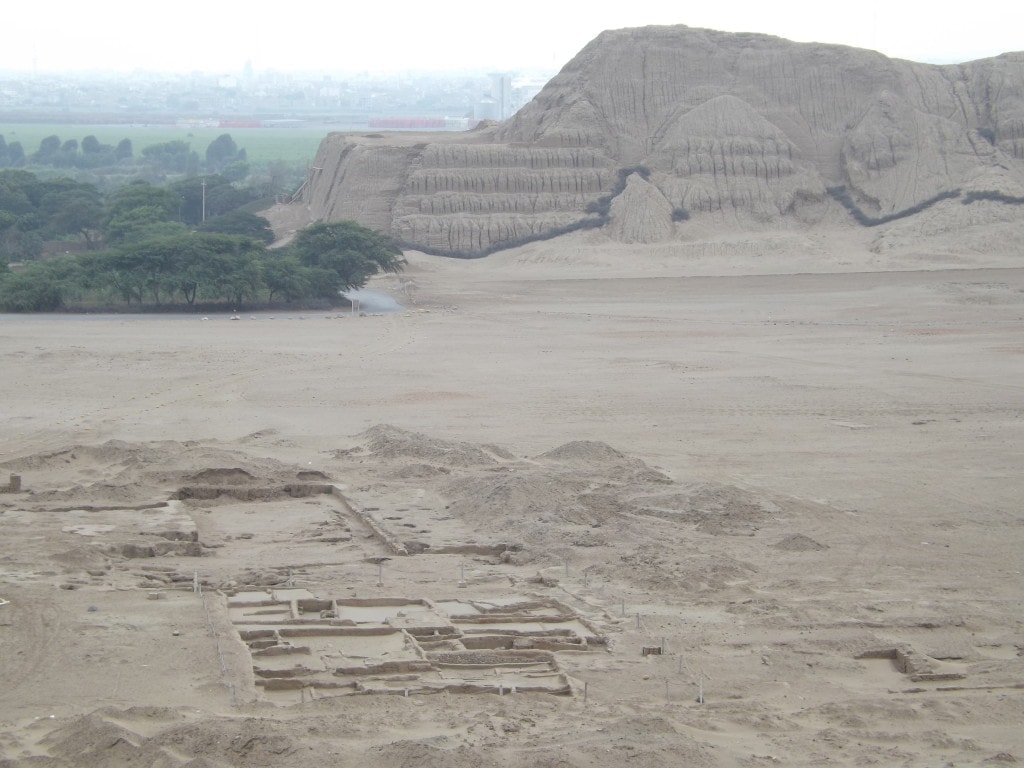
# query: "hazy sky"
{"type": "Point", "coordinates": [356, 35]}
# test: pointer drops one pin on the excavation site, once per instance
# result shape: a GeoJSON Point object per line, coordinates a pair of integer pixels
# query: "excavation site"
{"type": "Point", "coordinates": [692, 435]}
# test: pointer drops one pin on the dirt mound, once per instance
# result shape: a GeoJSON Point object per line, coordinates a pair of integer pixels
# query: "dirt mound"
{"type": "Point", "coordinates": [500, 452]}
{"type": "Point", "coordinates": [591, 452]}
{"type": "Point", "coordinates": [516, 499]}
{"type": "Point", "coordinates": [82, 558]}
{"type": "Point", "coordinates": [122, 473]}
{"type": "Point", "coordinates": [409, 471]}
{"type": "Point", "coordinates": [713, 508]}
{"type": "Point", "coordinates": [410, 753]}
{"type": "Point", "coordinates": [94, 740]}
{"type": "Point", "coordinates": [109, 453]}
{"type": "Point", "coordinates": [600, 458]}
{"type": "Point", "coordinates": [251, 742]}
{"type": "Point", "coordinates": [217, 476]}
{"type": "Point", "coordinates": [654, 565]}
{"type": "Point", "coordinates": [799, 543]}
{"type": "Point", "coordinates": [582, 483]}
{"type": "Point", "coordinates": [388, 442]}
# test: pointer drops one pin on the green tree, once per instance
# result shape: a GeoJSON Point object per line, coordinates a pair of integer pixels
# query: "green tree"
{"type": "Point", "coordinates": [21, 234]}
{"type": "Point", "coordinates": [21, 245]}
{"type": "Point", "coordinates": [38, 287]}
{"type": "Point", "coordinates": [236, 171]}
{"type": "Point", "coordinates": [68, 154]}
{"type": "Point", "coordinates": [143, 223]}
{"type": "Point", "coordinates": [94, 154]}
{"type": "Point", "coordinates": [208, 195]}
{"type": "Point", "coordinates": [170, 156]}
{"type": "Point", "coordinates": [141, 194]}
{"type": "Point", "coordinates": [220, 152]}
{"type": "Point", "coordinates": [240, 223]}
{"type": "Point", "coordinates": [15, 154]}
{"type": "Point", "coordinates": [284, 277]}
{"type": "Point", "coordinates": [48, 149]}
{"type": "Point", "coordinates": [17, 190]}
{"type": "Point", "coordinates": [275, 177]}
{"type": "Point", "coordinates": [190, 265]}
{"type": "Point", "coordinates": [72, 208]}
{"type": "Point", "coordinates": [152, 263]}
{"type": "Point", "coordinates": [123, 151]}
{"type": "Point", "coordinates": [233, 265]}
{"type": "Point", "coordinates": [348, 251]}
{"type": "Point", "coordinates": [115, 273]}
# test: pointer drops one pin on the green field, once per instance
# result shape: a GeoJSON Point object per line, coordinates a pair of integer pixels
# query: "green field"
{"type": "Point", "coordinates": [293, 145]}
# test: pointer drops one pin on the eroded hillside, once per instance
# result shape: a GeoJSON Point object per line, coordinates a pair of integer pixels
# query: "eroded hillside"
{"type": "Point", "coordinates": [647, 131]}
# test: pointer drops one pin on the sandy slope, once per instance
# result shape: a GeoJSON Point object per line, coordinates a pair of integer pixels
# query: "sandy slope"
{"type": "Point", "coordinates": [776, 471]}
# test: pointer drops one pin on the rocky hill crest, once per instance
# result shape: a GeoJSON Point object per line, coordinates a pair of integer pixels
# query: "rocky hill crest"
{"type": "Point", "coordinates": [648, 131]}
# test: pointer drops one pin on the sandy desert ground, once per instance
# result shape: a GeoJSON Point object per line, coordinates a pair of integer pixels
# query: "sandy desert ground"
{"type": "Point", "coordinates": [801, 488]}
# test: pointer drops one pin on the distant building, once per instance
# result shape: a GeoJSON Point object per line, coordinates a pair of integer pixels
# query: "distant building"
{"type": "Point", "coordinates": [501, 92]}
{"type": "Point", "coordinates": [506, 96]}
{"type": "Point", "coordinates": [486, 109]}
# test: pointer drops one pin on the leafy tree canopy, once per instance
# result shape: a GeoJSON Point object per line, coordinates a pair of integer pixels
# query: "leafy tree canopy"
{"type": "Point", "coordinates": [240, 223]}
{"type": "Point", "coordinates": [220, 152]}
{"type": "Point", "coordinates": [170, 156]}
{"type": "Point", "coordinates": [347, 250]}
{"type": "Point", "coordinates": [39, 287]}
{"type": "Point", "coordinates": [216, 193]}
{"type": "Point", "coordinates": [48, 148]}
{"type": "Point", "coordinates": [32, 210]}
{"type": "Point", "coordinates": [139, 194]}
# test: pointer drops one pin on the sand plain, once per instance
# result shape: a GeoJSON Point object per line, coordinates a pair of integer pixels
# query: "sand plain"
{"type": "Point", "coordinates": [803, 483]}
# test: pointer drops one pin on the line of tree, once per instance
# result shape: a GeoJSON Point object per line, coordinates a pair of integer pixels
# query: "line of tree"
{"type": "Point", "coordinates": [222, 155]}
{"type": "Point", "coordinates": [112, 165]}
{"type": "Point", "coordinates": [184, 244]}
{"type": "Point", "coordinates": [205, 267]}
{"type": "Point", "coordinates": [34, 211]}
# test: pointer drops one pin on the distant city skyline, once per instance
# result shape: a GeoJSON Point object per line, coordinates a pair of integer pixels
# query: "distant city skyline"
{"type": "Point", "coordinates": [457, 35]}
